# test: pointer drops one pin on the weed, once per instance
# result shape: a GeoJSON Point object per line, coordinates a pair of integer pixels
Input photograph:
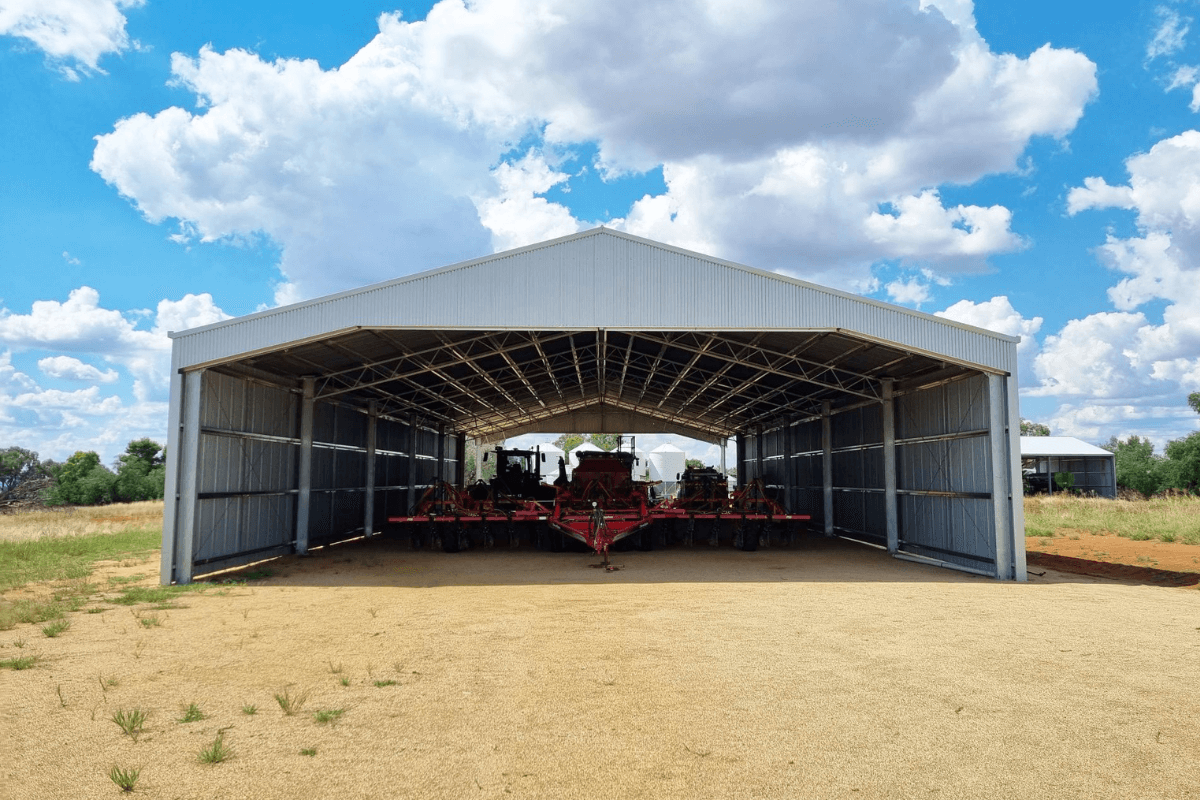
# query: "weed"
{"type": "Point", "coordinates": [151, 621]}
{"type": "Point", "coordinates": [216, 752]}
{"type": "Point", "coordinates": [53, 629]}
{"type": "Point", "coordinates": [126, 778]}
{"type": "Point", "coordinates": [138, 648]}
{"type": "Point", "coordinates": [107, 683]}
{"type": "Point", "coordinates": [345, 681]}
{"type": "Point", "coordinates": [308, 751]}
{"type": "Point", "coordinates": [192, 713]}
{"type": "Point", "coordinates": [62, 701]}
{"type": "Point", "coordinates": [23, 662]}
{"type": "Point", "coordinates": [97, 610]}
{"type": "Point", "coordinates": [18, 643]}
{"type": "Point", "coordinates": [333, 669]}
{"type": "Point", "coordinates": [372, 611]}
{"type": "Point", "coordinates": [258, 574]}
{"type": "Point", "coordinates": [249, 710]}
{"type": "Point", "coordinates": [1167, 536]}
{"type": "Point", "coordinates": [120, 579]}
{"type": "Point", "coordinates": [157, 594]}
{"type": "Point", "coordinates": [291, 703]}
{"type": "Point", "coordinates": [130, 722]}
{"type": "Point", "coordinates": [381, 684]}
{"type": "Point", "coordinates": [327, 716]}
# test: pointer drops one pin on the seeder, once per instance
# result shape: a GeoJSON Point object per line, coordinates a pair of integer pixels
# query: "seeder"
{"type": "Point", "coordinates": [599, 506]}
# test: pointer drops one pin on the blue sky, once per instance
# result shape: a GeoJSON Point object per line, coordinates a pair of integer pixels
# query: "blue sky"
{"type": "Point", "coordinates": [1027, 167]}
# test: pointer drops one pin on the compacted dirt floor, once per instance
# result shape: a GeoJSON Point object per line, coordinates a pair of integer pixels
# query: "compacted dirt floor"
{"type": "Point", "coordinates": [824, 670]}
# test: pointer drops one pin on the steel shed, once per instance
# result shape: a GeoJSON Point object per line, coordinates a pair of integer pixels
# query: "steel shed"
{"type": "Point", "coordinates": [1094, 469]}
{"type": "Point", "coordinates": [312, 423]}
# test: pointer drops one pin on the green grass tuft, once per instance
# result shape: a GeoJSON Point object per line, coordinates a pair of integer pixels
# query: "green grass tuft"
{"type": "Point", "coordinates": [327, 716]}
{"type": "Point", "coordinates": [381, 684]}
{"type": "Point", "coordinates": [308, 751]}
{"type": "Point", "coordinates": [125, 778]}
{"type": "Point", "coordinates": [53, 629]}
{"type": "Point", "coordinates": [216, 752]}
{"type": "Point", "coordinates": [22, 662]}
{"type": "Point", "coordinates": [249, 710]}
{"type": "Point", "coordinates": [192, 713]}
{"type": "Point", "coordinates": [291, 703]}
{"type": "Point", "coordinates": [130, 722]}
{"type": "Point", "coordinates": [133, 595]}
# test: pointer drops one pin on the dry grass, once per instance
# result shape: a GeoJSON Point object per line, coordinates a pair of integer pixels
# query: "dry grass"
{"type": "Point", "coordinates": [78, 521]}
{"type": "Point", "coordinates": [1169, 519]}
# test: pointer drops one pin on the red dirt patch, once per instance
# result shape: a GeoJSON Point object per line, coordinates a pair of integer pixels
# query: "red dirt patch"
{"type": "Point", "coordinates": [1110, 556]}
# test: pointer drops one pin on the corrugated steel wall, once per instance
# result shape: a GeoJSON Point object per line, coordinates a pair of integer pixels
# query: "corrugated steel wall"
{"type": "Point", "coordinates": [944, 473]}
{"type": "Point", "coordinates": [247, 471]}
{"type": "Point", "coordinates": [943, 463]}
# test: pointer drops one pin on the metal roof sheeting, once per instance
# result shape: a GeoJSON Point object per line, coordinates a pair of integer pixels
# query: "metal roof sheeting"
{"type": "Point", "coordinates": [1041, 446]}
{"type": "Point", "coordinates": [538, 288]}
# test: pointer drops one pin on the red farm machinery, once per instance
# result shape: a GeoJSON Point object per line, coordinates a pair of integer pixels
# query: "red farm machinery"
{"type": "Point", "coordinates": [600, 506]}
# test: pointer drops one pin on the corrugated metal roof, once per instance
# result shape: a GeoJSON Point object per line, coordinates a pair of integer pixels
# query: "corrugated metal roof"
{"type": "Point", "coordinates": [630, 284]}
{"type": "Point", "coordinates": [1033, 446]}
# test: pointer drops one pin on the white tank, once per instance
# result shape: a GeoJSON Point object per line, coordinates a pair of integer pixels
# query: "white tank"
{"type": "Point", "coordinates": [586, 447]}
{"type": "Point", "coordinates": [668, 461]}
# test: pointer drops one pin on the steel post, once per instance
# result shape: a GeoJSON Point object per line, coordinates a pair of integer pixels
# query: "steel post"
{"type": "Point", "coordinates": [189, 476]}
{"type": "Point", "coordinates": [369, 491]}
{"type": "Point", "coordinates": [1002, 501]}
{"type": "Point", "coordinates": [891, 512]}
{"type": "Point", "coordinates": [827, 463]}
{"type": "Point", "coordinates": [304, 478]}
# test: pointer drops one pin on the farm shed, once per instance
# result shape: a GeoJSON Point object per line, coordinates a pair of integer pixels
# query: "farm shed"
{"type": "Point", "coordinates": [313, 423]}
{"type": "Point", "coordinates": [1094, 469]}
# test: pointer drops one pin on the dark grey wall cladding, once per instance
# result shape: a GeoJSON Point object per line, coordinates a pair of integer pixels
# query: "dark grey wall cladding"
{"type": "Point", "coordinates": [953, 458]}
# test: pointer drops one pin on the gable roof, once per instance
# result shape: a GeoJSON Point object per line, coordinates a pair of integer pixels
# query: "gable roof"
{"type": "Point", "coordinates": [629, 283]}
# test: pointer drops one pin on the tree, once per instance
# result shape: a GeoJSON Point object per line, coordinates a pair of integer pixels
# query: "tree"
{"type": "Point", "coordinates": [18, 465]}
{"type": "Point", "coordinates": [1194, 401]}
{"type": "Point", "coordinates": [693, 462]}
{"type": "Point", "coordinates": [1137, 466]}
{"type": "Point", "coordinates": [141, 473]}
{"type": "Point", "coordinates": [1183, 461]}
{"type": "Point", "coordinates": [1029, 428]}
{"type": "Point", "coordinates": [569, 441]}
{"type": "Point", "coordinates": [83, 481]}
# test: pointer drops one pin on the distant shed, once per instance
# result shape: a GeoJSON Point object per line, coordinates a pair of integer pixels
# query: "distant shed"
{"type": "Point", "coordinates": [1094, 468]}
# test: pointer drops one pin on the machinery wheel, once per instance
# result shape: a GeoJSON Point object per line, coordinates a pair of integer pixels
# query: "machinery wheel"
{"type": "Point", "coordinates": [750, 538]}
{"type": "Point", "coordinates": [645, 540]}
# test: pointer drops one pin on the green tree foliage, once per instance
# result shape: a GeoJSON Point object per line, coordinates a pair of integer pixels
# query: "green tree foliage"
{"type": "Point", "coordinates": [1194, 401]}
{"type": "Point", "coordinates": [1030, 428]}
{"type": "Point", "coordinates": [83, 481]}
{"type": "Point", "coordinates": [1183, 463]}
{"type": "Point", "coordinates": [18, 465]}
{"type": "Point", "coordinates": [141, 472]}
{"type": "Point", "coordinates": [693, 462]}
{"type": "Point", "coordinates": [569, 441]}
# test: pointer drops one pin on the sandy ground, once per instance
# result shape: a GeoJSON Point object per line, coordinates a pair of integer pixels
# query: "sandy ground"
{"type": "Point", "coordinates": [827, 670]}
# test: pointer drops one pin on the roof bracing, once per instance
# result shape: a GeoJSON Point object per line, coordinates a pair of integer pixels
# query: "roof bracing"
{"type": "Point", "coordinates": [493, 383]}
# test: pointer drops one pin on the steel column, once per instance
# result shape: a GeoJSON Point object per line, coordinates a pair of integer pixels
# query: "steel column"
{"type": "Point", "coordinates": [369, 498]}
{"type": "Point", "coordinates": [1016, 486]}
{"type": "Point", "coordinates": [1002, 503]}
{"type": "Point", "coordinates": [724, 470]}
{"type": "Point", "coordinates": [460, 465]}
{"type": "Point", "coordinates": [171, 490]}
{"type": "Point", "coordinates": [758, 455]}
{"type": "Point", "coordinates": [827, 463]}
{"type": "Point", "coordinates": [441, 452]}
{"type": "Point", "coordinates": [891, 511]}
{"type": "Point", "coordinates": [189, 476]}
{"type": "Point", "coordinates": [412, 462]}
{"type": "Point", "coordinates": [304, 479]}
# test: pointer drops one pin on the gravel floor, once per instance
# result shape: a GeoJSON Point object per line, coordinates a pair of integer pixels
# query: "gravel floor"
{"type": "Point", "coordinates": [828, 670]}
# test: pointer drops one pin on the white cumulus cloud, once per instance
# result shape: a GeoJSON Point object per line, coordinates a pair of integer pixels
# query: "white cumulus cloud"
{"type": "Point", "coordinates": [809, 136]}
{"type": "Point", "coordinates": [74, 34]}
{"type": "Point", "coordinates": [75, 370]}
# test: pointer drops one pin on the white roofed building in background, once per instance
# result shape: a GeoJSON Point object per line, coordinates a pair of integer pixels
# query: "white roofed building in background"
{"type": "Point", "coordinates": [1093, 469]}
